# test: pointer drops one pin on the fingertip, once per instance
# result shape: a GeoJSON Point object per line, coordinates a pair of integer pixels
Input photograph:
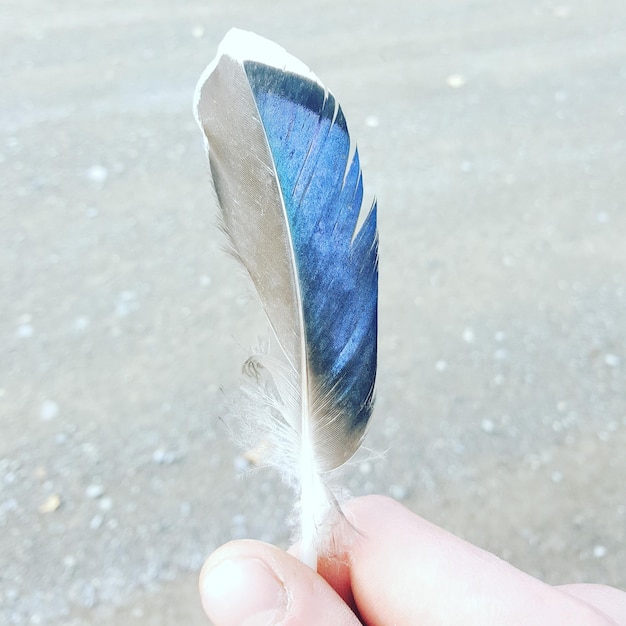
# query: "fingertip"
{"type": "Point", "coordinates": [238, 587]}
{"type": "Point", "coordinates": [251, 582]}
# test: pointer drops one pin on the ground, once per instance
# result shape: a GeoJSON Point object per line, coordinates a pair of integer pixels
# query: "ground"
{"type": "Point", "coordinates": [493, 134]}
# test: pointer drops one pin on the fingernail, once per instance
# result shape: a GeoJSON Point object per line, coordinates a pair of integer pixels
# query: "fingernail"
{"type": "Point", "coordinates": [243, 592]}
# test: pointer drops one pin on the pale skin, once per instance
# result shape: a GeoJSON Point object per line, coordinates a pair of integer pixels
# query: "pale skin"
{"type": "Point", "coordinates": [398, 570]}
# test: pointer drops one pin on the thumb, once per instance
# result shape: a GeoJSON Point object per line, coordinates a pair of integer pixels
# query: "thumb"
{"type": "Point", "coordinates": [253, 583]}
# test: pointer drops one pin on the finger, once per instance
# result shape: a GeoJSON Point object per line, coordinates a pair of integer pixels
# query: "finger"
{"type": "Point", "coordinates": [335, 570]}
{"type": "Point", "coordinates": [609, 600]}
{"type": "Point", "coordinates": [251, 582]}
{"type": "Point", "coordinates": [405, 571]}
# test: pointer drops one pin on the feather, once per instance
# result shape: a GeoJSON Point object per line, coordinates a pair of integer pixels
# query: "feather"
{"type": "Point", "coordinates": [289, 186]}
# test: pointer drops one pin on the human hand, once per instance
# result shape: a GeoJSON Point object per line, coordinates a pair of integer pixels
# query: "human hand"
{"type": "Point", "coordinates": [397, 570]}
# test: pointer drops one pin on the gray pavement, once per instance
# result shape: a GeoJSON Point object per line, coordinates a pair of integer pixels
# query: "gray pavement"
{"type": "Point", "coordinates": [494, 136]}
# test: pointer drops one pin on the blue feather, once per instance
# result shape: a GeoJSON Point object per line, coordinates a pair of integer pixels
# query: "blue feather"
{"type": "Point", "coordinates": [289, 184]}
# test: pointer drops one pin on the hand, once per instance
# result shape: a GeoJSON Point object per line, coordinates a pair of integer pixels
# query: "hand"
{"type": "Point", "coordinates": [397, 570]}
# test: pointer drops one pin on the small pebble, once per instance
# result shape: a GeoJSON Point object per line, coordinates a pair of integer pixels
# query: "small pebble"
{"type": "Point", "coordinates": [60, 438]}
{"type": "Point", "coordinates": [81, 323]}
{"type": "Point", "coordinates": [441, 366]}
{"type": "Point", "coordinates": [612, 360]}
{"type": "Point", "coordinates": [49, 410]}
{"type": "Point", "coordinates": [11, 594]}
{"type": "Point", "coordinates": [51, 504]}
{"type": "Point", "coordinates": [253, 457]}
{"type": "Point", "coordinates": [599, 551]}
{"type": "Point", "coordinates": [455, 81]}
{"type": "Point", "coordinates": [96, 522]}
{"type": "Point", "coordinates": [487, 425]}
{"type": "Point", "coordinates": [126, 303]}
{"type": "Point", "coordinates": [469, 336]}
{"type": "Point", "coordinates": [398, 492]}
{"type": "Point", "coordinates": [371, 121]}
{"type": "Point", "coordinates": [242, 463]}
{"type": "Point", "coordinates": [105, 504]}
{"type": "Point", "coordinates": [239, 519]}
{"type": "Point", "coordinates": [24, 331]}
{"type": "Point", "coordinates": [94, 491]}
{"type": "Point", "coordinates": [365, 467]}
{"type": "Point", "coordinates": [163, 457]}
{"type": "Point", "coordinates": [97, 173]}
{"type": "Point", "coordinates": [69, 562]}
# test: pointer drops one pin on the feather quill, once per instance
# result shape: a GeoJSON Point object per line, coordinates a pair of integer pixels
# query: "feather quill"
{"type": "Point", "coordinates": [290, 191]}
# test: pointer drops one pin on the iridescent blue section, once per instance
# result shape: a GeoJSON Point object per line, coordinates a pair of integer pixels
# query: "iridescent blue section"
{"type": "Point", "coordinates": [337, 269]}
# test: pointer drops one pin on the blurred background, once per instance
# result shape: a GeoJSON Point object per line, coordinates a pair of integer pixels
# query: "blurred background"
{"type": "Point", "coordinates": [493, 134]}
